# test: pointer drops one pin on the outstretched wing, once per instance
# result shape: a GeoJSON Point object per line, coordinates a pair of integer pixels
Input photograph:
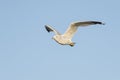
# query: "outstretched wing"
{"type": "Point", "coordinates": [50, 29]}
{"type": "Point", "coordinates": [73, 27]}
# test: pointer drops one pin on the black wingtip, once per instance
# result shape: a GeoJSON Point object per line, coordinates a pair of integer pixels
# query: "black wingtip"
{"type": "Point", "coordinates": [47, 28]}
{"type": "Point", "coordinates": [97, 22]}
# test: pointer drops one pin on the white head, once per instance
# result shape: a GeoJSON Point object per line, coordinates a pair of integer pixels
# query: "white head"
{"type": "Point", "coordinates": [56, 37]}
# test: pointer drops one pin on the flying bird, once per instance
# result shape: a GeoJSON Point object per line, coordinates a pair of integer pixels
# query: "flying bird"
{"type": "Point", "coordinates": [66, 38]}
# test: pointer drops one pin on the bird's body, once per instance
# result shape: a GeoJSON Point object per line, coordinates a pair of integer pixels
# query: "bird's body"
{"type": "Point", "coordinates": [63, 40]}
{"type": "Point", "coordinates": [66, 38]}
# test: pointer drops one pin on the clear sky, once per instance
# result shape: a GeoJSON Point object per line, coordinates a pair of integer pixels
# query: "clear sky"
{"type": "Point", "coordinates": [27, 51]}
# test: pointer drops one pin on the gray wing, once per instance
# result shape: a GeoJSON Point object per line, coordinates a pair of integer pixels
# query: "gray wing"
{"type": "Point", "coordinates": [73, 27]}
{"type": "Point", "coordinates": [50, 29]}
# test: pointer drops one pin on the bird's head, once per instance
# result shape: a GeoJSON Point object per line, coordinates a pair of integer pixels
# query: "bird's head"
{"type": "Point", "coordinates": [55, 37]}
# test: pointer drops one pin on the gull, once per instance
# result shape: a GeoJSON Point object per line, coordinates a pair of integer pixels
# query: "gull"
{"type": "Point", "coordinates": [66, 38]}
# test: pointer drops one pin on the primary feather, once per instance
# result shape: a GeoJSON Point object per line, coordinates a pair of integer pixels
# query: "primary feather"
{"type": "Point", "coordinates": [50, 29]}
{"type": "Point", "coordinates": [73, 27]}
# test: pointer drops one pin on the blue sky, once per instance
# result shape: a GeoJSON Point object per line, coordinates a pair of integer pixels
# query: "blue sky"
{"type": "Point", "coordinates": [27, 51]}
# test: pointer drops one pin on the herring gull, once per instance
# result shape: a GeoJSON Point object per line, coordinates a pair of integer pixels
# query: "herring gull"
{"type": "Point", "coordinates": [66, 38]}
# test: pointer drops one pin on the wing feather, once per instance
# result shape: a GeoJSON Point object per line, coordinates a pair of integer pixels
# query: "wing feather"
{"type": "Point", "coordinates": [50, 29]}
{"type": "Point", "coordinates": [73, 27]}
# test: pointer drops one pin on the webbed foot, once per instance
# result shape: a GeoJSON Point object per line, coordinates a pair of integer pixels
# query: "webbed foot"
{"type": "Point", "coordinates": [72, 44]}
